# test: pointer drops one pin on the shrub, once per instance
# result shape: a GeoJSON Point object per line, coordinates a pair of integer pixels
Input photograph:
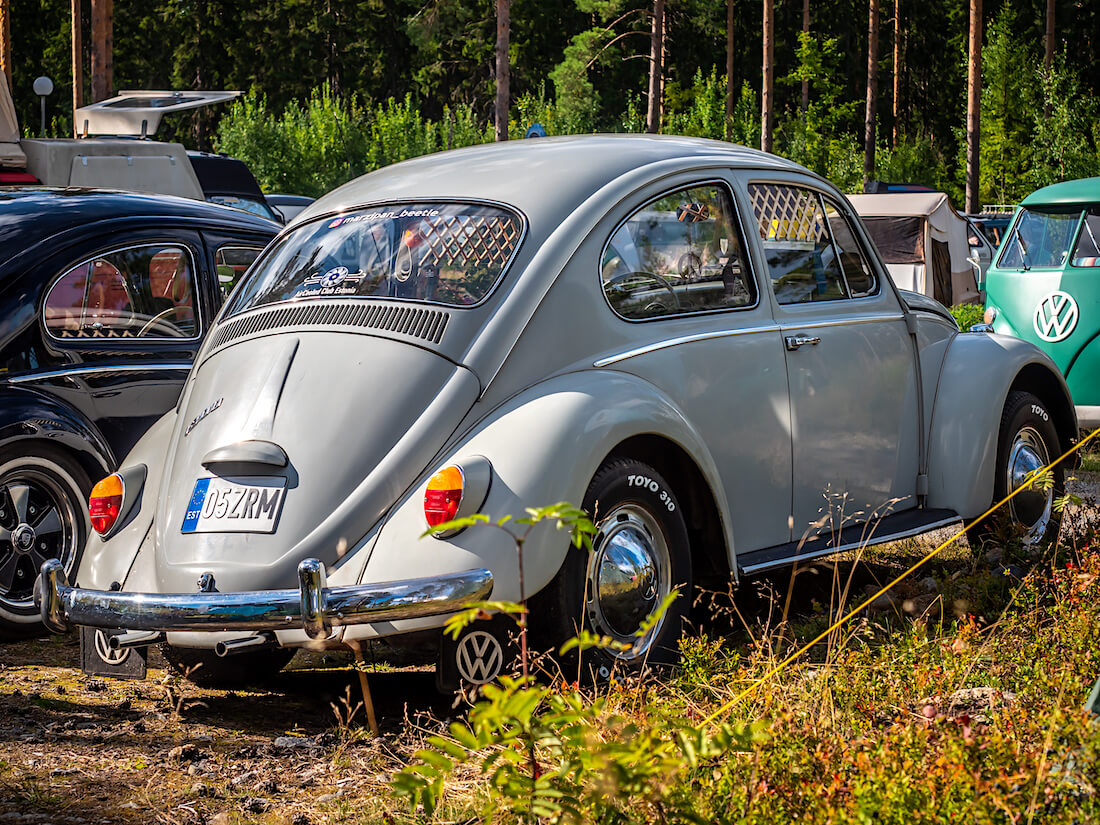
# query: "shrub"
{"type": "Point", "coordinates": [966, 315]}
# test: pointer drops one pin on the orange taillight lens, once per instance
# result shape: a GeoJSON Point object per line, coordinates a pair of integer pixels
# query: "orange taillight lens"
{"type": "Point", "coordinates": [105, 503]}
{"type": "Point", "coordinates": [443, 496]}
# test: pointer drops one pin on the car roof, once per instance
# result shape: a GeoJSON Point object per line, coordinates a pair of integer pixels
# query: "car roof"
{"type": "Point", "coordinates": [222, 174]}
{"type": "Point", "coordinates": [1068, 193]}
{"type": "Point", "coordinates": [30, 215]}
{"type": "Point", "coordinates": [533, 174]}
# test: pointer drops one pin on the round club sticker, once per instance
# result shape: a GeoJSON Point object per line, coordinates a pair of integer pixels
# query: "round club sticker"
{"type": "Point", "coordinates": [334, 276]}
{"type": "Point", "coordinates": [1055, 316]}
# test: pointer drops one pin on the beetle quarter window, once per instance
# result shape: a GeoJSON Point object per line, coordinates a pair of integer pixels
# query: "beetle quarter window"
{"type": "Point", "coordinates": [680, 253]}
{"type": "Point", "coordinates": [857, 271]}
{"type": "Point", "coordinates": [804, 263]}
{"type": "Point", "coordinates": [446, 253]}
{"type": "Point", "coordinates": [138, 292]}
{"type": "Point", "coordinates": [231, 263]}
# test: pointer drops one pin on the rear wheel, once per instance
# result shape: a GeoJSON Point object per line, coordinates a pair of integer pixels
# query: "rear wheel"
{"type": "Point", "coordinates": [639, 554]}
{"type": "Point", "coordinates": [207, 669]}
{"type": "Point", "coordinates": [1027, 442]}
{"type": "Point", "coordinates": [42, 516]}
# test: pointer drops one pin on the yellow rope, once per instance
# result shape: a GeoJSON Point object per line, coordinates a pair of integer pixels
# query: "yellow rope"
{"type": "Point", "coordinates": [931, 555]}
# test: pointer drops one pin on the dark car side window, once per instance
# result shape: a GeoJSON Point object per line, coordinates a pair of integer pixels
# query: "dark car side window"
{"type": "Point", "coordinates": [145, 291]}
{"type": "Point", "coordinates": [680, 253]}
{"type": "Point", "coordinates": [811, 251]}
{"type": "Point", "coordinates": [231, 262]}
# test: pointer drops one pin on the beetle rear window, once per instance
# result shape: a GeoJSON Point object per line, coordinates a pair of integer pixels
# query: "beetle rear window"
{"type": "Point", "coordinates": [445, 253]}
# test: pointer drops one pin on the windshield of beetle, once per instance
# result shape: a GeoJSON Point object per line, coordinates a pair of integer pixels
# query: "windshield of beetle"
{"type": "Point", "coordinates": [444, 253]}
{"type": "Point", "coordinates": [1049, 239]}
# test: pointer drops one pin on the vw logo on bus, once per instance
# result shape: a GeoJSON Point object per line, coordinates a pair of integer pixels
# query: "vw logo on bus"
{"type": "Point", "coordinates": [1055, 316]}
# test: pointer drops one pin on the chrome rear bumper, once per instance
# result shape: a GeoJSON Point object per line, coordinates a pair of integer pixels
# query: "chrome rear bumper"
{"type": "Point", "coordinates": [313, 607]}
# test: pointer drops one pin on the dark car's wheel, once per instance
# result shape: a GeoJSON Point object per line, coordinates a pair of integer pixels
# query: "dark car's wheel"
{"type": "Point", "coordinates": [639, 554]}
{"type": "Point", "coordinates": [1027, 442]}
{"type": "Point", "coordinates": [207, 669]}
{"type": "Point", "coordinates": [42, 516]}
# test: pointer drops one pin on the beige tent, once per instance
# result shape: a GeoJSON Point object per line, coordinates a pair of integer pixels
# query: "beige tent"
{"type": "Point", "coordinates": [10, 153]}
{"type": "Point", "coordinates": [923, 241]}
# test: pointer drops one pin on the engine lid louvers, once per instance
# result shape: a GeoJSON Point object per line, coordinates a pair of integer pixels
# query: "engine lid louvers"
{"type": "Point", "coordinates": [415, 322]}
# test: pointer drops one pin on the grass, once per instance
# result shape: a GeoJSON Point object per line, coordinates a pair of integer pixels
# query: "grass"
{"type": "Point", "coordinates": [956, 700]}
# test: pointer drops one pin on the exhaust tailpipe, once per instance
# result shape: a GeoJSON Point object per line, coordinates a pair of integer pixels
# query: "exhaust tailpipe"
{"type": "Point", "coordinates": [134, 638]}
{"type": "Point", "coordinates": [231, 647]}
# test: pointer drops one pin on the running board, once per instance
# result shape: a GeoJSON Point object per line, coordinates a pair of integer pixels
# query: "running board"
{"type": "Point", "coordinates": [887, 529]}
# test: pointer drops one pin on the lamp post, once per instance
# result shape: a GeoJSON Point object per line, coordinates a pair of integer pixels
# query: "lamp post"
{"type": "Point", "coordinates": [43, 87]}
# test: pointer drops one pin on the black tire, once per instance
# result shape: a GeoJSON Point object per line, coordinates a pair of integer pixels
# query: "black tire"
{"type": "Point", "coordinates": [43, 501]}
{"type": "Point", "coordinates": [630, 502]}
{"type": "Point", "coordinates": [1027, 437]}
{"type": "Point", "coordinates": [206, 668]}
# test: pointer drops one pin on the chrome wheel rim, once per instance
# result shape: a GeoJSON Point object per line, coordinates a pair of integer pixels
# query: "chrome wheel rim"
{"type": "Point", "coordinates": [37, 522]}
{"type": "Point", "coordinates": [1032, 507]}
{"type": "Point", "coordinates": [629, 572]}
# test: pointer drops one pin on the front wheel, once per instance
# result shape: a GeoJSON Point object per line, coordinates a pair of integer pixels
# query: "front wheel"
{"type": "Point", "coordinates": [639, 554]}
{"type": "Point", "coordinates": [42, 516]}
{"type": "Point", "coordinates": [1027, 443]}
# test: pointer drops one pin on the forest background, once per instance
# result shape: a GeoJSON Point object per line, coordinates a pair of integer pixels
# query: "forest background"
{"type": "Point", "coordinates": [336, 89]}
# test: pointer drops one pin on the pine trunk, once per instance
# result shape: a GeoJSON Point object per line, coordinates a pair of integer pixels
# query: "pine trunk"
{"type": "Point", "coordinates": [872, 94]}
{"type": "Point", "coordinates": [5, 42]}
{"type": "Point", "coordinates": [729, 69]}
{"type": "Point", "coordinates": [805, 30]}
{"type": "Point", "coordinates": [766, 91]}
{"type": "Point", "coordinates": [102, 68]}
{"type": "Point", "coordinates": [504, 22]}
{"type": "Point", "coordinates": [896, 92]}
{"type": "Point", "coordinates": [77, 61]}
{"type": "Point", "coordinates": [973, 106]}
{"type": "Point", "coordinates": [656, 69]}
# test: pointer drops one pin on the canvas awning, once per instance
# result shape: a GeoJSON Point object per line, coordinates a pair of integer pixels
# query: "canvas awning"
{"type": "Point", "coordinates": [10, 153]}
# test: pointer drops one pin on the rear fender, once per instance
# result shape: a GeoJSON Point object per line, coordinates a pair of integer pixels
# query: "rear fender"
{"type": "Point", "coordinates": [979, 370]}
{"type": "Point", "coordinates": [29, 415]}
{"type": "Point", "coordinates": [544, 445]}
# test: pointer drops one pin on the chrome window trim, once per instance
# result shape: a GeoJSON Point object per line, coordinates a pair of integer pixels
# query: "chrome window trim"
{"type": "Point", "coordinates": [753, 569]}
{"type": "Point", "coordinates": [843, 322]}
{"type": "Point", "coordinates": [269, 250]}
{"type": "Point", "coordinates": [90, 370]}
{"type": "Point", "coordinates": [684, 339]}
{"type": "Point", "coordinates": [195, 292]}
{"type": "Point", "coordinates": [746, 257]}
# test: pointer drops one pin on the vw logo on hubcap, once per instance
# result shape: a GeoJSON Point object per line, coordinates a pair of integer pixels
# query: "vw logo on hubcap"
{"type": "Point", "coordinates": [23, 538]}
{"type": "Point", "coordinates": [479, 657]}
{"type": "Point", "coordinates": [1055, 316]}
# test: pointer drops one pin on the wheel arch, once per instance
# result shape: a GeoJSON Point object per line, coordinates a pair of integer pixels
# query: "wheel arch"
{"type": "Point", "coordinates": [1048, 386]}
{"type": "Point", "coordinates": [710, 555]}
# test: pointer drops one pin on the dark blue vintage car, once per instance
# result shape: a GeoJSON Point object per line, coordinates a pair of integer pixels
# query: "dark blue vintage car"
{"type": "Point", "coordinates": [104, 300]}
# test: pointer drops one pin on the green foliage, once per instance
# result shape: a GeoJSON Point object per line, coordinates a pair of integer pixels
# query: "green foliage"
{"type": "Point", "coordinates": [966, 315]}
{"type": "Point", "coordinates": [1064, 145]}
{"type": "Point", "coordinates": [914, 160]}
{"type": "Point", "coordinates": [703, 108]}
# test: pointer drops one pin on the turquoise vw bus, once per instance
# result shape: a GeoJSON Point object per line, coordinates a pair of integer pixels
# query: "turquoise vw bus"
{"type": "Point", "coordinates": [1044, 285]}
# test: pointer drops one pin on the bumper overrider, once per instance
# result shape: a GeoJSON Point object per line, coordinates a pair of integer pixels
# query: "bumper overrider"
{"type": "Point", "coordinates": [313, 606]}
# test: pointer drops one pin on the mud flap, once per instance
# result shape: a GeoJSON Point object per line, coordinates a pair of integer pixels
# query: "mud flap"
{"type": "Point", "coordinates": [483, 651]}
{"type": "Point", "coordinates": [97, 658]}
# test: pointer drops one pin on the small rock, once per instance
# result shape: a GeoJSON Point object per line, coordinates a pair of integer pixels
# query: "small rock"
{"type": "Point", "coordinates": [185, 753]}
{"type": "Point", "coordinates": [929, 584]}
{"type": "Point", "coordinates": [220, 818]}
{"type": "Point", "coordinates": [287, 743]}
{"type": "Point", "coordinates": [199, 789]}
{"type": "Point", "coordinates": [243, 778]}
{"type": "Point", "coordinates": [883, 602]}
{"type": "Point", "coordinates": [994, 555]}
{"type": "Point", "coordinates": [267, 786]}
{"type": "Point", "coordinates": [326, 797]}
{"type": "Point", "coordinates": [130, 806]}
{"type": "Point", "coordinates": [255, 805]}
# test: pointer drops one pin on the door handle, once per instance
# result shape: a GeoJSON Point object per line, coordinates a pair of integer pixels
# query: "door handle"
{"type": "Point", "coordinates": [796, 341]}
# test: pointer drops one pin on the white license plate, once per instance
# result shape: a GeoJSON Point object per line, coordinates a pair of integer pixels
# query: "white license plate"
{"type": "Point", "coordinates": [235, 505]}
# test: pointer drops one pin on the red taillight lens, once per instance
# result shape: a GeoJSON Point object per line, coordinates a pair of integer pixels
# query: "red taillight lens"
{"type": "Point", "coordinates": [443, 496]}
{"type": "Point", "coordinates": [104, 503]}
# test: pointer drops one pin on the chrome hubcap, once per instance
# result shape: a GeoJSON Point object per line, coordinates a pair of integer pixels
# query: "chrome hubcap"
{"type": "Point", "coordinates": [628, 576]}
{"type": "Point", "coordinates": [1031, 507]}
{"type": "Point", "coordinates": [36, 523]}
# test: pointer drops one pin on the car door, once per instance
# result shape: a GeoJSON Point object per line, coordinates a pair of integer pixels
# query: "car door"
{"type": "Point", "coordinates": [851, 364]}
{"type": "Point", "coordinates": [675, 268]}
{"type": "Point", "coordinates": [128, 317]}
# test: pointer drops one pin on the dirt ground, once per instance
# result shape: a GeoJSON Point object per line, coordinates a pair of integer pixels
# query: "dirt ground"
{"type": "Point", "coordinates": [76, 749]}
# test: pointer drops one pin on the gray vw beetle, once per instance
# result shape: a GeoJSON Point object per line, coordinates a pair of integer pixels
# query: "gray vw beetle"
{"type": "Point", "coordinates": [695, 340]}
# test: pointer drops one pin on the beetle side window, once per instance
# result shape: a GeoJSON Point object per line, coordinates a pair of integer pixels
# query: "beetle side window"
{"type": "Point", "coordinates": [231, 262]}
{"type": "Point", "coordinates": [802, 260]}
{"type": "Point", "coordinates": [680, 253]}
{"type": "Point", "coordinates": [138, 292]}
{"type": "Point", "coordinates": [857, 271]}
